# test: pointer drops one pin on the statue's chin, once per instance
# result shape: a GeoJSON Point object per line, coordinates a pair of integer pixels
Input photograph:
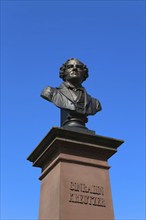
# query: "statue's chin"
{"type": "Point", "coordinates": [75, 81]}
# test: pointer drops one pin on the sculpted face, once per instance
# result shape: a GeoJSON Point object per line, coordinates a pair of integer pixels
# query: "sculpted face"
{"type": "Point", "coordinates": [74, 72]}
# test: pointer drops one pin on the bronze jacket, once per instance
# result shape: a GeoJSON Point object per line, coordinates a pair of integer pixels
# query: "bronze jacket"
{"type": "Point", "coordinates": [62, 98]}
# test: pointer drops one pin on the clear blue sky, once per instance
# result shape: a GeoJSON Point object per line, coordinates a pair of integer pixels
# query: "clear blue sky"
{"type": "Point", "coordinates": [36, 38]}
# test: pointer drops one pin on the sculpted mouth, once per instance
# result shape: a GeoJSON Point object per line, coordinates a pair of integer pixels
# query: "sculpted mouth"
{"type": "Point", "coordinates": [75, 73]}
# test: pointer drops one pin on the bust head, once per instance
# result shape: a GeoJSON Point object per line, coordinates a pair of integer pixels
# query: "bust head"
{"type": "Point", "coordinates": [74, 71]}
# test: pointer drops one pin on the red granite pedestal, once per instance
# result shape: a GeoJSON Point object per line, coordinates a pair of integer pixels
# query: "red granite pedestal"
{"type": "Point", "coordinates": [75, 182]}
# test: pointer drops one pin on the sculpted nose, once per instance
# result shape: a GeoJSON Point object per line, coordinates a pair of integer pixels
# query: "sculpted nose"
{"type": "Point", "coordinates": [74, 68]}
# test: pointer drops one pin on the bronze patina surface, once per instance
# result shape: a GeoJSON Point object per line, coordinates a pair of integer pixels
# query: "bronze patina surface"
{"type": "Point", "coordinates": [71, 97]}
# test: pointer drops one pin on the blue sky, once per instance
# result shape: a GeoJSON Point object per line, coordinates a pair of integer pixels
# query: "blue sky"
{"type": "Point", "coordinates": [37, 37]}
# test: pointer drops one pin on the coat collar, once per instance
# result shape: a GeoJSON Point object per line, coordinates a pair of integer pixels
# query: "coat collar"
{"type": "Point", "coordinates": [64, 89]}
{"type": "Point", "coordinates": [69, 85]}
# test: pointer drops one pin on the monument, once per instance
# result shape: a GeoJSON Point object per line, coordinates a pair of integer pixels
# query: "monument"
{"type": "Point", "coordinates": [75, 183]}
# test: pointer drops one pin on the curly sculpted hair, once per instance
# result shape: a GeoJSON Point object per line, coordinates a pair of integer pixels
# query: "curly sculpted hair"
{"type": "Point", "coordinates": [62, 73]}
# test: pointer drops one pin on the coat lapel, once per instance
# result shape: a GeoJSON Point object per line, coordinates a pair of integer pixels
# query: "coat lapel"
{"type": "Point", "coordinates": [65, 91]}
{"type": "Point", "coordinates": [87, 98]}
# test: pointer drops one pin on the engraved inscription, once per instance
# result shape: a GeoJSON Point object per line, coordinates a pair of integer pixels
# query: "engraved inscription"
{"type": "Point", "coordinates": [88, 195]}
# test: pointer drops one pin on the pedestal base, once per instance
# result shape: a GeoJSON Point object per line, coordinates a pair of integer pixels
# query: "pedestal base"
{"type": "Point", "coordinates": [75, 182]}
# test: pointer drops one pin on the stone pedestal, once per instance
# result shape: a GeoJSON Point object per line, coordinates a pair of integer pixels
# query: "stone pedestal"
{"type": "Point", "coordinates": [75, 182]}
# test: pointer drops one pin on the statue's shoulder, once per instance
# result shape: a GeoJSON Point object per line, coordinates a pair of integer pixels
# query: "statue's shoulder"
{"type": "Point", "coordinates": [48, 89]}
{"type": "Point", "coordinates": [48, 92]}
{"type": "Point", "coordinates": [92, 99]}
{"type": "Point", "coordinates": [61, 86]}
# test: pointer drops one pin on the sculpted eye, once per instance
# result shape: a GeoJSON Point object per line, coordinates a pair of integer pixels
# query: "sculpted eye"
{"type": "Point", "coordinates": [79, 66]}
{"type": "Point", "coordinates": [69, 66]}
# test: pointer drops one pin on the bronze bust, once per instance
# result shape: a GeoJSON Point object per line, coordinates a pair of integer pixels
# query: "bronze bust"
{"type": "Point", "coordinates": [71, 97]}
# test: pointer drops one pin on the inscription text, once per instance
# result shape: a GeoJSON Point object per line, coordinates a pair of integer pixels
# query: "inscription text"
{"type": "Point", "coordinates": [87, 194]}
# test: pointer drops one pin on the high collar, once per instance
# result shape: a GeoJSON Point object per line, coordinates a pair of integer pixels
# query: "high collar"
{"type": "Point", "coordinates": [71, 86]}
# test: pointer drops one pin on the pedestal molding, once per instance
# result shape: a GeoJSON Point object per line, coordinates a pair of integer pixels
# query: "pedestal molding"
{"type": "Point", "coordinates": [74, 160]}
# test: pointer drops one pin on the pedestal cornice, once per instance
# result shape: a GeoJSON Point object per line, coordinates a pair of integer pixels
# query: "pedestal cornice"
{"type": "Point", "coordinates": [59, 140]}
